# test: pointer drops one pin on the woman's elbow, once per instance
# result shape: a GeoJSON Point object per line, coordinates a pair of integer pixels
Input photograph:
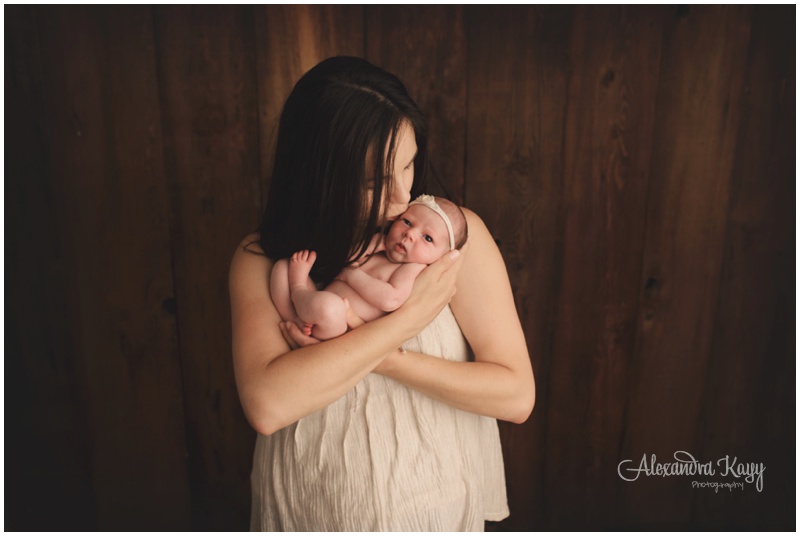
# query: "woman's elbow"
{"type": "Point", "coordinates": [265, 426]}
{"type": "Point", "coordinates": [265, 429]}
{"type": "Point", "coordinates": [261, 420]}
{"type": "Point", "coordinates": [523, 405]}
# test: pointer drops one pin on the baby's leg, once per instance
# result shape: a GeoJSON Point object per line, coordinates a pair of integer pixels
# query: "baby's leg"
{"type": "Point", "coordinates": [324, 310]}
{"type": "Point", "coordinates": [281, 295]}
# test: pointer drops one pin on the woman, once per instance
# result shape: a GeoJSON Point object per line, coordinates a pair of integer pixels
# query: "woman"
{"type": "Point", "coordinates": [387, 427]}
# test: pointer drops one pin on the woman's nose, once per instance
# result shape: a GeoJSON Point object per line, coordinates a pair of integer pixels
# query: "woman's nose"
{"type": "Point", "coordinates": [399, 197]}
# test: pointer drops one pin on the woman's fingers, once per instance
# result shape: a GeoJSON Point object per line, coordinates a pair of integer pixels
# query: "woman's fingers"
{"type": "Point", "coordinates": [285, 332]}
{"type": "Point", "coordinates": [435, 286]}
{"type": "Point", "coordinates": [448, 264]}
{"type": "Point", "coordinates": [295, 337]}
{"type": "Point", "coordinates": [457, 257]}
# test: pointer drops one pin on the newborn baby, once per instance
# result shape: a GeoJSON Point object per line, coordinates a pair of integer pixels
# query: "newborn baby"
{"type": "Point", "coordinates": [427, 230]}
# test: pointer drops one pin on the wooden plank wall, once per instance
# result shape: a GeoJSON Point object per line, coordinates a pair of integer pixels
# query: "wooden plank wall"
{"type": "Point", "coordinates": [635, 165]}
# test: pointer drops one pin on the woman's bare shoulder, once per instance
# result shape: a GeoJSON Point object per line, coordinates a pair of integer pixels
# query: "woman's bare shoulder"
{"type": "Point", "coordinates": [250, 244]}
{"type": "Point", "coordinates": [249, 265]}
{"type": "Point", "coordinates": [479, 235]}
{"type": "Point", "coordinates": [468, 212]}
{"type": "Point", "coordinates": [248, 248]}
{"type": "Point", "coordinates": [483, 274]}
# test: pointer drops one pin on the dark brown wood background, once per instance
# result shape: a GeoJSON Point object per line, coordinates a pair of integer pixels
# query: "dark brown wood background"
{"type": "Point", "coordinates": [636, 166]}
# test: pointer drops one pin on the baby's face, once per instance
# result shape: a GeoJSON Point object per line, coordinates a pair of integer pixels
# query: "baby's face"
{"type": "Point", "coordinates": [419, 235]}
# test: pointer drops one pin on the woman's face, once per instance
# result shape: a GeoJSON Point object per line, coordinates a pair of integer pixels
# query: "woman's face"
{"type": "Point", "coordinates": [403, 174]}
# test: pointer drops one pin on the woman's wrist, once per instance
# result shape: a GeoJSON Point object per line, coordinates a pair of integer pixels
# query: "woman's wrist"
{"type": "Point", "coordinates": [407, 321]}
{"type": "Point", "coordinates": [389, 363]}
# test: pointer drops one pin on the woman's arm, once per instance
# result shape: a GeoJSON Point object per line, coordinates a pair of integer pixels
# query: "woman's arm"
{"type": "Point", "coordinates": [500, 382]}
{"type": "Point", "coordinates": [278, 385]}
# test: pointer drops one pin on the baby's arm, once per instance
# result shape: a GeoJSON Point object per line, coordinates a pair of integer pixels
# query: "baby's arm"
{"type": "Point", "coordinates": [385, 295]}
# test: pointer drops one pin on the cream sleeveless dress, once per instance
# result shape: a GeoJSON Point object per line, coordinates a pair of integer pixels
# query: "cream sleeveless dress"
{"type": "Point", "coordinates": [383, 458]}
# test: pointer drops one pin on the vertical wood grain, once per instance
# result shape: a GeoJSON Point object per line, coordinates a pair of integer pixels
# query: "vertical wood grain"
{"type": "Point", "coordinates": [47, 441]}
{"type": "Point", "coordinates": [517, 97]}
{"type": "Point", "coordinates": [614, 60]}
{"type": "Point", "coordinates": [752, 359]}
{"type": "Point", "coordinates": [697, 117]}
{"type": "Point", "coordinates": [426, 47]}
{"type": "Point", "coordinates": [207, 75]}
{"type": "Point", "coordinates": [104, 142]}
{"type": "Point", "coordinates": [290, 40]}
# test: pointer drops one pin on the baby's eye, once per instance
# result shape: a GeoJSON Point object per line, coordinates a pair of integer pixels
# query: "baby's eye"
{"type": "Point", "coordinates": [407, 222]}
{"type": "Point", "coordinates": [428, 238]}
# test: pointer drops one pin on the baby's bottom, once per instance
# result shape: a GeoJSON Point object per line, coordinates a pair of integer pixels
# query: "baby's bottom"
{"type": "Point", "coordinates": [324, 311]}
{"type": "Point", "coordinates": [319, 313]}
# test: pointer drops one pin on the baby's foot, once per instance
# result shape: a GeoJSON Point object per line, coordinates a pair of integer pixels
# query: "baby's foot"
{"type": "Point", "coordinates": [299, 266]}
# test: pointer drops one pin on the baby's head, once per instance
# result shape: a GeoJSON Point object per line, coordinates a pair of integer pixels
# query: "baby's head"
{"type": "Point", "coordinates": [429, 228]}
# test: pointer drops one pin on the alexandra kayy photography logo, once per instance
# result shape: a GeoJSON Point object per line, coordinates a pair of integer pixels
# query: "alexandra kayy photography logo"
{"type": "Point", "coordinates": [687, 465]}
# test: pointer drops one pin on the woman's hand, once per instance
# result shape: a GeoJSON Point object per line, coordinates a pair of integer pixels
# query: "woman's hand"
{"type": "Point", "coordinates": [499, 382]}
{"type": "Point", "coordinates": [434, 288]}
{"type": "Point", "coordinates": [295, 337]}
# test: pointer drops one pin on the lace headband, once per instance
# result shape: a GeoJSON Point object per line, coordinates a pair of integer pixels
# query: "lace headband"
{"type": "Point", "coordinates": [430, 202]}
